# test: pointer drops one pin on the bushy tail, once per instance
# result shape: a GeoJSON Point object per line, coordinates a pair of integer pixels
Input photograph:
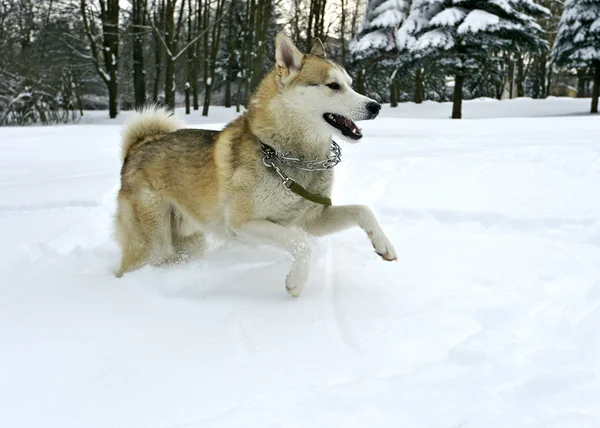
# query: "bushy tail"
{"type": "Point", "coordinates": [148, 122]}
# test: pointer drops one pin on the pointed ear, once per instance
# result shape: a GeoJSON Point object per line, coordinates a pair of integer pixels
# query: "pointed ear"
{"type": "Point", "coordinates": [287, 56]}
{"type": "Point", "coordinates": [318, 48]}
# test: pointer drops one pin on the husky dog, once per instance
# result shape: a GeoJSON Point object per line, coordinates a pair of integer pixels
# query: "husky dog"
{"type": "Point", "coordinates": [265, 178]}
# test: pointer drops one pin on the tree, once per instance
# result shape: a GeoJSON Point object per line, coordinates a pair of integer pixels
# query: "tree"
{"type": "Point", "coordinates": [139, 74]}
{"type": "Point", "coordinates": [211, 49]}
{"type": "Point", "coordinates": [461, 34]}
{"type": "Point", "coordinates": [377, 39]}
{"type": "Point", "coordinates": [105, 56]}
{"type": "Point", "coordinates": [578, 40]}
{"type": "Point", "coordinates": [170, 41]}
{"type": "Point", "coordinates": [377, 35]}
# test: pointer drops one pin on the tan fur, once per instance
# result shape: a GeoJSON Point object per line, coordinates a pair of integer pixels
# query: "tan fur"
{"type": "Point", "coordinates": [179, 184]}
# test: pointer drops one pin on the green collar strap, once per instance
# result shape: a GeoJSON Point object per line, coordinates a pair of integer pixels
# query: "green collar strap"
{"type": "Point", "coordinates": [294, 187]}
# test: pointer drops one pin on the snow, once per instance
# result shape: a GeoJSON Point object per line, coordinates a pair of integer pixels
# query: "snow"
{"type": "Point", "coordinates": [378, 39]}
{"type": "Point", "coordinates": [449, 17]}
{"type": "Point", "coordinates": [436, 38]}
{"type": "Point", "coordinates": [382, 18]}
{"type": "Point", "coordinates": [478, 20]}
{"type": "Point", "coordinates": [489, 318]}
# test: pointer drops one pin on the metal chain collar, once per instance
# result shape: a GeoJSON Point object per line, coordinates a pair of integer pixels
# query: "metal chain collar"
{"type": "Point", "coordinates": [272, 156]}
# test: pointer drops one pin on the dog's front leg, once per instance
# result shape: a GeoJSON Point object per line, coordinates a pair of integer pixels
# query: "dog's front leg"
{"type": "Point", "coordinates": [335, 218]}
{"type": "Point", "coordinates": [292, 241]}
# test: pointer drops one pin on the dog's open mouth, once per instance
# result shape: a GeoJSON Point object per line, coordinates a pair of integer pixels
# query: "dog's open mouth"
{"type": "Point", "coordinates": [345, 125]}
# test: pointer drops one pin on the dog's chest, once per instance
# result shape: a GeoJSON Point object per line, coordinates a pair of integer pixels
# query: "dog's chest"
{"type": "Point", "coordinates": [279, 204]}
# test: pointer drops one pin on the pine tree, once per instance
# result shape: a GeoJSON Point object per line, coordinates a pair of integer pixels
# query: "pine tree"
{"type": "Point", "coordinates": [376, 41]}
{"type": "Point", "coordinates": [378, 33]}
{"type": "Point", "coordinates": [461, 34]}
{"type": "Point", "coordinates": [578, 41]}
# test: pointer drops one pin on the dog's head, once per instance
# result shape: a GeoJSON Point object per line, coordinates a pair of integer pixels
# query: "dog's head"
{"type": "Point", "coordinates": [317, 92]}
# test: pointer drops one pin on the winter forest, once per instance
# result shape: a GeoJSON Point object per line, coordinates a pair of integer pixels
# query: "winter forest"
{"type": "Point", "coordinates": [62, 57]}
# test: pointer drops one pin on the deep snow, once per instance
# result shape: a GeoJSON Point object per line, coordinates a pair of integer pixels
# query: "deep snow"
{"type": "Point", "coordinates": [489, 318]}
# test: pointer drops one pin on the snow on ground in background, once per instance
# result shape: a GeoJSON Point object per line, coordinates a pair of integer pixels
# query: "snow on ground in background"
{"type": "Point", "coordinates": [474, 109]}
{"type": "Point", "coordinates": [488, 320]}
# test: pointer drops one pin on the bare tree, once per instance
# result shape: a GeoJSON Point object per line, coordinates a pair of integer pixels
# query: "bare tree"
{"type": "Point", "coordinates": [210, 55]}
{"type": "Point", "coordinates": [139, 73]}
{"type": "Point", "coordinates": [104, 55]}
{"type": "Point", "coordinates": [157, 20]}
{"type": "Point", "coordinates": [230, 52]}
{"type": "Point", "coordinates": [172, 32]}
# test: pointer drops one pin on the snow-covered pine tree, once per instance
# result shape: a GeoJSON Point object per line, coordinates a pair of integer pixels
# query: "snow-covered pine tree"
{"type": "Point", "coordinates": [461, 34]}
{"type": "Point", "coordinates": [376, 39]}
{"type": "Point", "coordinates": [421, 11]}
{"type": "Point", "coordinates": [377, 33]}
{"type": "Point", "coordinates": [578, 40]}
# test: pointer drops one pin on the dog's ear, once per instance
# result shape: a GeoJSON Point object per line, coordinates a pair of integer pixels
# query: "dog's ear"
{"type": "Point", "coordinates": [318, 48]}
{"type": "Point", "coordinates": [288, 58]}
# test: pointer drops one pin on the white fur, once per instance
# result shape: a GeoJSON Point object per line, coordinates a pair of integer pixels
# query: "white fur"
{"type": "Point", "coordinates": [307, 104]}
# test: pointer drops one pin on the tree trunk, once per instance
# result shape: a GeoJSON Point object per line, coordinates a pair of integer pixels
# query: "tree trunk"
{"type": "Point", "coordinates": [190, 59]}
{"type": "Point", "coordinates": [215, 41]}
{"type": "Point", "coordinates": [343, 32]}
{"type": "Point", "coordinates": [113, 94]}
{"type": "Point", "coordinates": [230, 55]}
{"type": "Point", "coordinates": [596, 89]}
{"type": "Point", "coordinates": [110, 32]}
{"type": "Point", "coordinates": [309, 28]}
{"type": "Point", "coordinates": [394, 93]}
{"type": "Point", "coordinates": [205, 74]}
{"type": "Point", "coordinates": [581, 83]}
{"type": "Point", "coordinates": [548, 80]}
{"type": "Point", "coordinates": [197, 56]}
{"type": "Point", "coordinates": [360, 81]}
{"type": "Point", "coordinates": [139, 75]}
{"type": "Point", "coordinates": [238, 97]}
{"type": "Point", "coordinates": [108, 69]}
{"type": "Point", "coordinates": [172, 32]}
{"type": "Point", "coordinates": [537, 89]}
{"type": "Point", "coordinates": [170, 63]}
{"type": "Point", "coordinates": [419, 91]}
{"type": "Point", "coordinates": [261, 29]}
{"type": "Point", "coordinates": [248, 47]}
{"type": "Point", "coordinates": [457, 98]}
{"type": "Point", "coordinates": [511, 77]}
{"type": "Point", "coordinates": [321, 27]}
{"type": "Point", "coordinates": [520, 76]}
{"type": "Point", "coordinates": [158, 23]}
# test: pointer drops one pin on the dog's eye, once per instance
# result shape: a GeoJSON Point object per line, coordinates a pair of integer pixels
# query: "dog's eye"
{"type": "Point", "coordinates": [334, 86]}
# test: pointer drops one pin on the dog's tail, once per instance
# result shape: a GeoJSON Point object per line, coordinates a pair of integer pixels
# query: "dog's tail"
{"type": "Point", "coordinates": [149, 122]}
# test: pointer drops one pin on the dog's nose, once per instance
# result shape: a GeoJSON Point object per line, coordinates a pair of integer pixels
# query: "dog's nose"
{"type": "Point", "coordinates": [374, 108]}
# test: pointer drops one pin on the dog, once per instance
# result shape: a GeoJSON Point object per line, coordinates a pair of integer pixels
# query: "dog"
{"type": "Point", "coordinates": [265, 178]}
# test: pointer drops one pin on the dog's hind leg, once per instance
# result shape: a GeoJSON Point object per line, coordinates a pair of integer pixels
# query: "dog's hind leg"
{"type": "Point", "coordinates": [188, 247]}
{"type": "Point", "coordinates": [335, 218]}
{"type": "Point", "coordinates": [290, 240]}
{"type": "Point", "coordinates": [188, 242]}
{"type": "Point", "coordinates": [143, 230]}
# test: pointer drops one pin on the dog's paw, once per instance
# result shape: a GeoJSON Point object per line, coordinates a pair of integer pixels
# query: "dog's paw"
{"type": "Point", "coordinates": [294, 283]}
{"type": "Point", "coordinates": [293, 291]}
{"type": "Point", "coordinates": [296, 279]}
{"type": "Point", "coordinates": [383, 247]}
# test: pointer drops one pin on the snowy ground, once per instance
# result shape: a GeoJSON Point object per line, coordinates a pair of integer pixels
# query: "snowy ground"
{"type": "Point", "coordinates": [490, 318]}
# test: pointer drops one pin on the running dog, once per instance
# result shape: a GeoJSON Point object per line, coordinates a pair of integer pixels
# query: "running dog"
{"type": "Point", "coordinates": [266, 178]}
